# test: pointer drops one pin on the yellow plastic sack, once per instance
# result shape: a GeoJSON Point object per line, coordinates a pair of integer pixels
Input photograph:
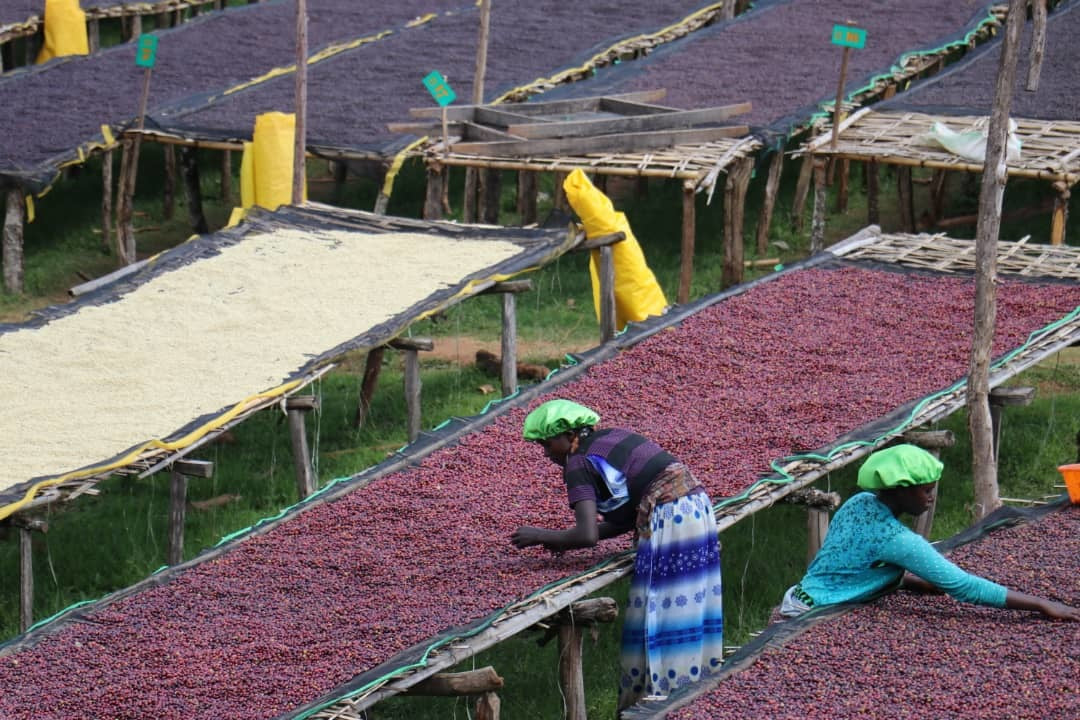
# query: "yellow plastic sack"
{"type": "Point", "coordinates": [271, 160]}
{"type": "Point", "coordinates": [637, 293]}
{"type": "Point", "coordinates": [65, 30]}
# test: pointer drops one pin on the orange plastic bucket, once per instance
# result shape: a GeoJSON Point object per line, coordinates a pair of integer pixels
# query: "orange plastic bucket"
{"type": "Point", "coordinates": [1071, 474]}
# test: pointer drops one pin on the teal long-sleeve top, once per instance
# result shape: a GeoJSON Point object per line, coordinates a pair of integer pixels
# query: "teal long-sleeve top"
{"type": "Point", "coordinates": [867, 550]}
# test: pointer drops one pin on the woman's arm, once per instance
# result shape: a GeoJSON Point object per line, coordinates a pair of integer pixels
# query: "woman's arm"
{"type": "Point", "coordinates": [585, 533]}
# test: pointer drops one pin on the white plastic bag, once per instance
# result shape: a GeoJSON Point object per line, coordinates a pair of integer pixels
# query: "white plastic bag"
{"type": "Point", "coordinates": [971, 145]}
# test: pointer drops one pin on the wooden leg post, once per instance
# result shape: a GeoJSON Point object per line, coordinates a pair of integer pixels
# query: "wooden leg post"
{"type": "Point", "coordinates": [818, 506]}
{"type": "Point", "coordinates": [802, 190]}
{"type": "Point", "coordinates": [27, 526]}
{"type": "Point", "coordinates": [168, 191]}
{"type": "Point", "coordinates": [433, 196]}
{"type": "Point", "coordinates": [526, 198]}
{"type": "Point", "coordinates": [468, 205]}
{"type": "Point", "coordinates": [817, 226]}
{"type": "Point", "coordinates": [1060, 213]}
{"type": "Point", "coordinates": [606, 271]}
{"type": "Point", "coordinates": [411, 347]}
{"type": "Point", "coordinates": [738, 180]}
{"type": "Point", "coordinates": [490, 193]}
{"type": "Point", "coordinates": [226, 177]}
{"type": "Point", "coordinates": [178, 475]}
{"type": "Point", "coordinates": [569, 625]}
{"type": "Point", "coordinates": [189, 158]}
{"type": "Point", "coordinates": [559, 194]}
{"type": "Point", "coordinates": [1001, 397]}
{"type": "Point", "coordinates": [686, 259]}
{"type": "Point", "coordinates": [932, 441]}
{"type": "Point", "coordinates": [873, 206]}
{"type": "Point", "coordinates": [12, 254]}
{"type": "Point", "coordinates": [93, 35]}
{"type": "Point", "coordinates": [843, 169]}
{"type": "Point", "coordinates": [905, 194]}
{"type": "Point", "coordinates": [772, 186]}
{"type": "Point", "coordinates": [508, 363]}
{"type": "Point", "coordinates": [372, 368]}
{"type": "Point", "coordinates": [297, 408]}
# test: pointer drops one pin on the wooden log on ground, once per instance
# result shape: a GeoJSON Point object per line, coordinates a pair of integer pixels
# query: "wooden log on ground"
{"type": "Point", "coordinates": [297, 408]}
{"type": "Point", "coordinates": [12, 253]}
{"type": "Point", "coordinates": [738, 180]}
{"type": "Point", "coordinates": [178, 475]}
{"type": "Point", "coordinates": [469, 682]}
{"type": "Point", "coordinates": [189, 158]}
{"type": "Point", "coordinates": [772, 186]}
{"type": "Point", "coordinates": [689, 240]}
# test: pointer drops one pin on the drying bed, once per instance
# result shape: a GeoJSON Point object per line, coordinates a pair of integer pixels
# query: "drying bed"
{"type": "Point", "coordinates": [753, 57]}
{"type": "Point", "coordinates": [294, 615]}
{"type": "Point", "coordinates": [907, 655]}
{"type": "Point", "coordinates": [528, 41]}
{"type": "Point", "coordinates": [159, 359]}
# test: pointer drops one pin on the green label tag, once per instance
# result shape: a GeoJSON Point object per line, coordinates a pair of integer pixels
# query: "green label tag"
{"type": "Point", "coordinates": [845, 36]}
{"type": "Point", "coordinates": [439, 89]}
{"type": "Point", "coordinates": [146, 52]}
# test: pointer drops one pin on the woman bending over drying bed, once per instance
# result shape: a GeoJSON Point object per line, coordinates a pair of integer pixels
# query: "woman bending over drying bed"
{"type": "Point", "coordinates": [868, 550]}
{"type": "Point", "coordinates": [673, 624]}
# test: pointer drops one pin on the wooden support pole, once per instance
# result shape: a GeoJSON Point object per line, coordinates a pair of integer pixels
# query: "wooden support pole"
{"type": "Point", "coordinates": [178, 475]}
{"type": "Point", "coordinates": [12, 254]}
{"type": "Point", "coordinates": [125, 230]}
{"type": "Point", "coordinates": [297, 408]}
{"type": "Point", "coordinates": [490, 194]}
{"type": "Point", "coordinates": [26, 527]}
{"type": "Point", "coordinates": [412, 384]}
{"type": "Point", "coordinates": [938, 185]}
{"type": "Point", "coordinates": [1038, 44]}
{"type": "Point", "coordinates": [93, 35]}
{"type": "Point", "coordinates": [434, 193]}
{"type": "Point", "coordinates": [189, 159]}
{"type": "Point", "coordinates": [818, 506]}
{"type": "Point", "coordinates": [1000, 398]}
{"type": "Point", "coordinates": [509, 344]}
{"type": "Point", "coordinates": [106, 198]}
{"type": "Point", "coordinates": [873, 207]}
{"type": "Point", "coordinates": [817, 225]}
{"type": "Point", "coordinates": [372, 368]}
{"type": "Point", "coordinates": [1060, 214]}
{"type": "Point", "coordinates": [136, 27]}
{"type": "Point", "coordinates": [300, 132]}
{"type": "Point", "coordinates": [487, 706]}
{"type": "Point", "coordinates": [526, 197]}
{"type": "Point", "coordinates": [905, 195]}
{"type": "Point", "coordinates": [606, 272]}
{"type": "Point", "coordinates": [226, 177]}
{"type": "Point", "coordinates": [689, 239]}
{"type": "Point", "coordinates": [802, 189]}
{"type": "Point", "coordinates": [772, 186]}
{"type": "Point", "coordinates": [168, 190]}
{"type": "Point", "coordinates": [844, 169]}
{"type": "Point", "coordinates": [738, 180]}
{"type": "Point", "coordinates": [571, 679]}
{"type": "Point", "coordinates": [559, 200]}
{"type": "Point", "coordinates": [932, 441]}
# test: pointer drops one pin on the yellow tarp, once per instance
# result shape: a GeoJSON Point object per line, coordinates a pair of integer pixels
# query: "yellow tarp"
{"type": "Point", "coordinates": [266, 168]}
{"type": "Point", "coordinates": [637, 293]}
{"type": "Point", "coordinates": [65, 30]}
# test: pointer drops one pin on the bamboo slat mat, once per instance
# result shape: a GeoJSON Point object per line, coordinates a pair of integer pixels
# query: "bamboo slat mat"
{"type": "Point", "coordinates": [942, 253]}
{"type": "Point", "coordinates": [1050, 150]}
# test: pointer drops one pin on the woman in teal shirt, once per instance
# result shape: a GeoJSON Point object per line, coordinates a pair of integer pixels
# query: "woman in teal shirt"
{"type": "Point", "coordinates": [868, 550]}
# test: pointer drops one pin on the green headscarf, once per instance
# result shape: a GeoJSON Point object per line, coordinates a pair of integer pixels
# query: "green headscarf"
{"type": "Point", "coordinates": [555, 417]}
{"type": "Point", "coordinates": [899, 466]}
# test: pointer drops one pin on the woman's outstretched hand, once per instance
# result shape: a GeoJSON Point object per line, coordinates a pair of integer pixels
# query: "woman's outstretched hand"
{"type": "Point", "coordinates": [526, 536]}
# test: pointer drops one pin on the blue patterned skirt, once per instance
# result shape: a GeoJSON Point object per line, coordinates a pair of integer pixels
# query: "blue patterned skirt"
{"type": "Point", "coordinates": [673, 630]}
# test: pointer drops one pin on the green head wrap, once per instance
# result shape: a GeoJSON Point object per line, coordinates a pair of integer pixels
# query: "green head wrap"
{"type": "Point", "coordinates": [555, 417]}
{"type": "Point", "coordinates": [899, 466]}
